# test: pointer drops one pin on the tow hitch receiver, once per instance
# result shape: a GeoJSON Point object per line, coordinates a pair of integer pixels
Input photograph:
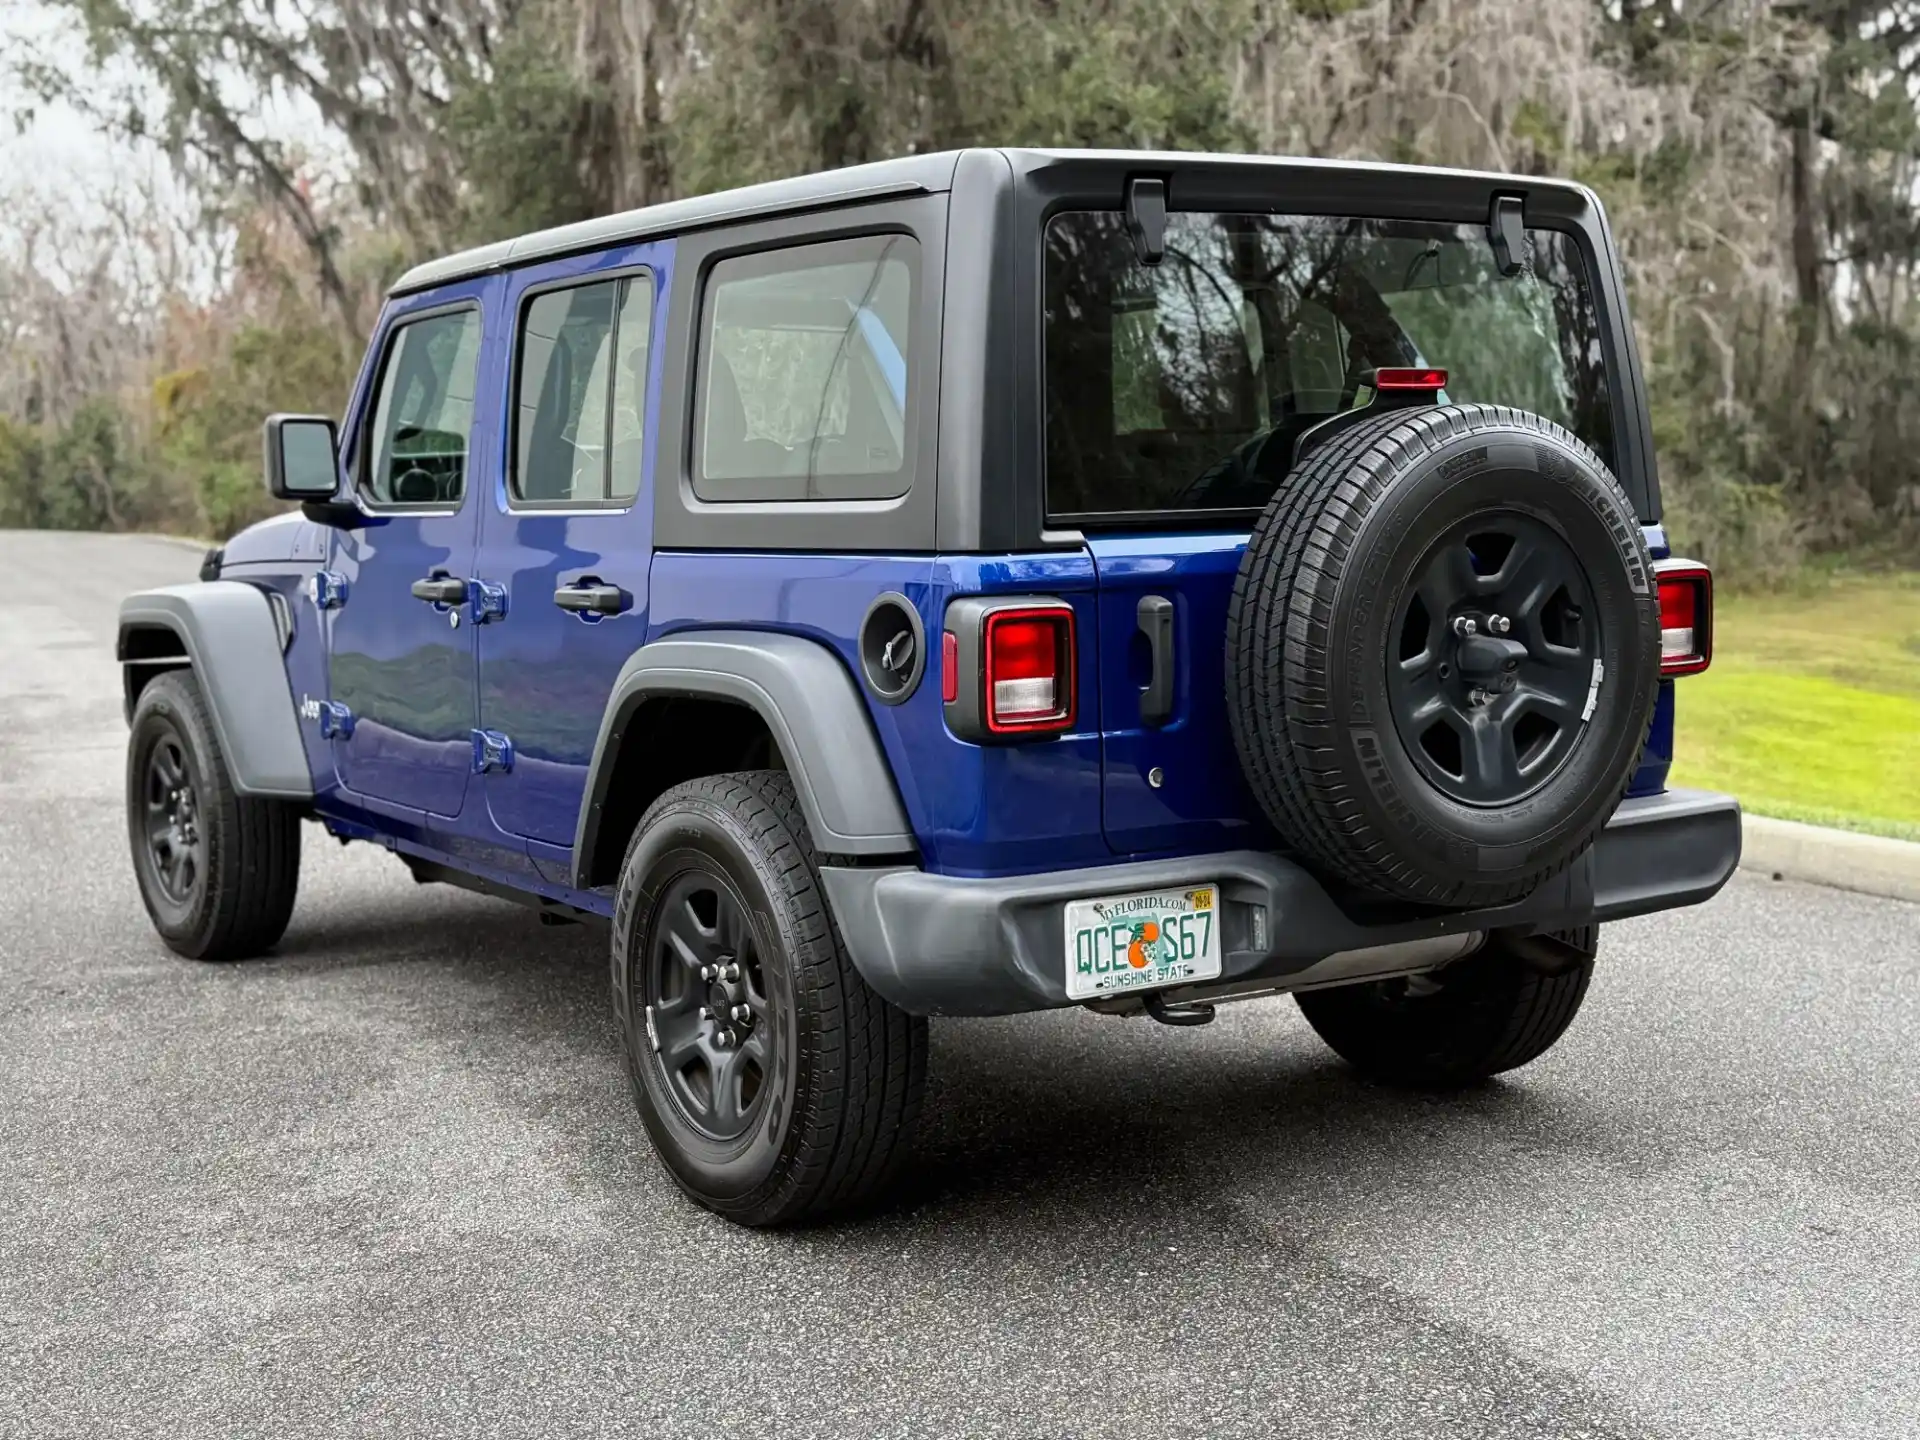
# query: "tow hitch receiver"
{"type": "Point", "coordinates": [1194, 1014]}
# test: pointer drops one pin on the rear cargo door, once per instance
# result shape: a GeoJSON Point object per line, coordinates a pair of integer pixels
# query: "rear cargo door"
{"type": "Point", "coordinates": [1182, 368]}
{"type": "Point", "coordinates": [1171, 779]}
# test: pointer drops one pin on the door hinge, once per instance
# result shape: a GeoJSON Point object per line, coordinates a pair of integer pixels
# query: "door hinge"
{"type": "Point", "coordinates": [1507, 233]}
{"type": "Point", "coordinates": [336, 720]}
{"type": "Point", "coordinates": [488, 601]}
{"type": "Point", "coordinates": [491, 751]}
{"type": "Point", "coordinates": [327, 589]}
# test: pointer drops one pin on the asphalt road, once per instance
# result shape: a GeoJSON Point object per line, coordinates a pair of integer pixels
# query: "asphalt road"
{"type": "Point", "coordinates": [391, 1182]}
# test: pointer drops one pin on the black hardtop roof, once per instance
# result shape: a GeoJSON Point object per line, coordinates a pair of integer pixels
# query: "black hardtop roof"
{"type": "Point", "coordinates": [908, 175]}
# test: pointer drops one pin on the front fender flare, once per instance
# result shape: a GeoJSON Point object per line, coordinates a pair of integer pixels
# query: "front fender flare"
{"type": "Point", "coordinates": [808, 700]}
{"type": "Point", "coordinates": [227, 632]}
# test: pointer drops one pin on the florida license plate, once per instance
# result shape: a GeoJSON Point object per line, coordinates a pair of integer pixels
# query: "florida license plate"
{"type": "Point", "coordinates": [1119, 943]}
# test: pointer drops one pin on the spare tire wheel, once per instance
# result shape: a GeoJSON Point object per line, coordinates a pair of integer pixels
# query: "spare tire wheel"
{"type": "Point", "coordinates": [1443, 653]}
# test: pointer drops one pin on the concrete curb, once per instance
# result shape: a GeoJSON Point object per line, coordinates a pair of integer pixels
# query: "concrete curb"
{"type": "Point", "coordinates": [1870, 864]}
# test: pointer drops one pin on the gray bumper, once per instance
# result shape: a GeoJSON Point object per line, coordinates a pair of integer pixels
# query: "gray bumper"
{"type": "Point", "coordinates": [948, 945]}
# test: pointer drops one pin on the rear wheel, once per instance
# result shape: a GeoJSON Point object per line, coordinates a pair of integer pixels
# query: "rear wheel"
{"type": "Point", "coordinates": [218, 871]}
{"type": "Point", "coordinates": [1490, 1012]}
{"type": "Point", "coordinates": [775, 1084]}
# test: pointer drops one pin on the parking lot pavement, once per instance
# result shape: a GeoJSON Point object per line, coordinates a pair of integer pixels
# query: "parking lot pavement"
{"type": "Point", "coordinates": [390, 1180]}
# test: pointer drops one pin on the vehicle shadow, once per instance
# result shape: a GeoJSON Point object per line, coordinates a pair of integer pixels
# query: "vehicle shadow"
{"type": "Point", "coordinates": [407, 923]}
{"type": "Point", "coordinates": [1185, 1118]}
{"type": "Point", "coordinates": [1030, 1122]}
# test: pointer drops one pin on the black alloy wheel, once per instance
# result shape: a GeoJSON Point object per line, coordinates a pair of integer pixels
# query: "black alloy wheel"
{"type": "Point", "coordinates": [708, 1007]}
{"type": "Point", "coordinates": [218, 871]}
{"type": "Point", "coordinates": [176, 849]}
{"type": "Point", "coordinates": [1494, 666]}
{"type": "Point", "coordinates": [775, 1085]}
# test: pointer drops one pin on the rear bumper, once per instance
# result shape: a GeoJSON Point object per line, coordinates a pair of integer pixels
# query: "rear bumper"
{"type": "Point", "coordinates": [949, 945]}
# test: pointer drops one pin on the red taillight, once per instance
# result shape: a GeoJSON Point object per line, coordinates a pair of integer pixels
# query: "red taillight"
{"type": "Point", "coordinates": [949, 666]}
{"type": "Point", "coordinates": [1028, 655]}
{"type": "Point", "coordinates": [1409, 378]}
{"type": "Point", "coordinates": [1686, 616]}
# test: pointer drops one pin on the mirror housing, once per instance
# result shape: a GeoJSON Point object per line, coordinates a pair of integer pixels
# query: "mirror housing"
{"type": "Point", "coordinates": [302, 457]}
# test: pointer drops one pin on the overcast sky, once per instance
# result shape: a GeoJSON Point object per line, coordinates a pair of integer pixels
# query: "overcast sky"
{"type": "Point", "coordinates": [57, 146]}
{"type": "Point", "coordinates": [58, 149]}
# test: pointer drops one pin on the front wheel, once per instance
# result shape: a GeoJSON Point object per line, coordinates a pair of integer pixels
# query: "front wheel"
{"type": "Point", "coordinates": [775, 1084]}
{"type": "Point", "coordinates": [1490, 1012]}
{"type": "Point", "coordinates": [218, 870]}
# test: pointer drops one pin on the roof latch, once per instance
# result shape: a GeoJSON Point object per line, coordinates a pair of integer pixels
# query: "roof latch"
{"type": "Point", "coordinates": [1507, 232]}
{"type": "Point", "coordinates": [1147, 218]}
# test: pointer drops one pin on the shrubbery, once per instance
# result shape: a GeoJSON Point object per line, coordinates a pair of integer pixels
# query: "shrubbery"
{"type": "Point", "coordinates": [1758, 161]}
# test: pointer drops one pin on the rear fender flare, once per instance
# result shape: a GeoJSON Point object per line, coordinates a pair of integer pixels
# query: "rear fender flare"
{"type": "Point", "coordinates": [225, 630]}
{"type": "Point", "coordinates": [809, 702]}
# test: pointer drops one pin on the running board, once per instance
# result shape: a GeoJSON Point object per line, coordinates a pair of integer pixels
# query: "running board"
{"type": "Point", "coordinates": [552, 912]}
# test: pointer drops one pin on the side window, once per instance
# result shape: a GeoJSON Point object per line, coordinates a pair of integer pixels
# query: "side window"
{"type": "Point", "coordinates": [580, 393]}
{"type": "Point", "coordinates": [806, 373]}
{"type": "Point", "coordinates": [423, 415]}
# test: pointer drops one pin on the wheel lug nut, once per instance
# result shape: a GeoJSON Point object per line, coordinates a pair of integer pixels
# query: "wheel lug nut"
{"type": "Point", "coordinates": [1466, 625]}
{"type": "Point", "coordinates": [742, 1013]}
{"type": "Point", "coordinates": [730, 974]}
{"type": "Point", "coordinates": [1500, 624]}
{"type": "Point", "coordinates": [724, 1040]}
{"type": "Point", "coordinates": [706, 1013]}
{"type": "Point", "coordinates": [707, 972]}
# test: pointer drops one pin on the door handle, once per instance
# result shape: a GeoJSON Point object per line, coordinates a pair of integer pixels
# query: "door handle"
{"type": "Point", "coordinates": [592, 597]}
{"type": "Point", "coordinates": [1154, 615]}
{"type": "Point", "coordinates": [440, 590]}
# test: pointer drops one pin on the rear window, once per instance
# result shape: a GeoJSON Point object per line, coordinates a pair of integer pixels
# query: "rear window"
{"type": "Point", "coordinates": [580, 395]}
{"type": "Point", "coordinates": [1182, 386]}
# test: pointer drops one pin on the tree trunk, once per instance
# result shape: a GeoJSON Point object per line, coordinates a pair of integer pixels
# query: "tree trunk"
{"type": "Point", "coordinates": [1809, 303]}
{"type": "Point", "coordinates": [654, 65]}
{"type": "Point", "coordinates": [1808, 289]}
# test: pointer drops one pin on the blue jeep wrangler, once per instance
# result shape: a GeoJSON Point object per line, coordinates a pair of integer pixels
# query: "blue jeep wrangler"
{"type": "Point", "coordinates": [964, 585]}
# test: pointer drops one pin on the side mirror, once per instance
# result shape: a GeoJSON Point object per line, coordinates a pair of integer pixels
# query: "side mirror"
{"type": "Point", "coordinates": [302, 456]}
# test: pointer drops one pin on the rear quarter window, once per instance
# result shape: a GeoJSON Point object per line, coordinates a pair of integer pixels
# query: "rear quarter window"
{"type": "Point", "coordinates": [805, 373]}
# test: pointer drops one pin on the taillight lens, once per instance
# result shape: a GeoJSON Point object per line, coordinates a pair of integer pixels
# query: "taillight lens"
{"type": "Point", "coordinates": [1028, 656]}
{"type": "Point", "coordinates": [1686, 616]}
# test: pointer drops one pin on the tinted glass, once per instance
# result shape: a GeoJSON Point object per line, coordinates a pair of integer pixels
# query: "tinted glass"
{"type": "Point", "coordinates": [806, 372]}
{"type": "Point", "coordinates": [580, 393]}
{"type": "Point", "coordinates": [423, 419]}
{"type": "Point", "coordinates": [632, 343]}
{"type": "Point", "coordinates": [1184, 385]}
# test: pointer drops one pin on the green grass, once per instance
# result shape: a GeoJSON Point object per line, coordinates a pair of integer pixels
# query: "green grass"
{"type": "Point", "coordinates": [1811, 710]}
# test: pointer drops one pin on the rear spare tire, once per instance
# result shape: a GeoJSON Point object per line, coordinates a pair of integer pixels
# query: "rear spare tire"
{"type": "Point", "coordinates": [1443, 652]}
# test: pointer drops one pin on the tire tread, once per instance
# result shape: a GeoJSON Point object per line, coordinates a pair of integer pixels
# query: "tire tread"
{"type": "Point", "coordinates": [1280, 627]}
{"type": "Point", "coordinates": [868, 1073]}
{"type": "Point", "coordinates": [253, 844]}
{"type": "Point", "coordinates": [1493, 1014]}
